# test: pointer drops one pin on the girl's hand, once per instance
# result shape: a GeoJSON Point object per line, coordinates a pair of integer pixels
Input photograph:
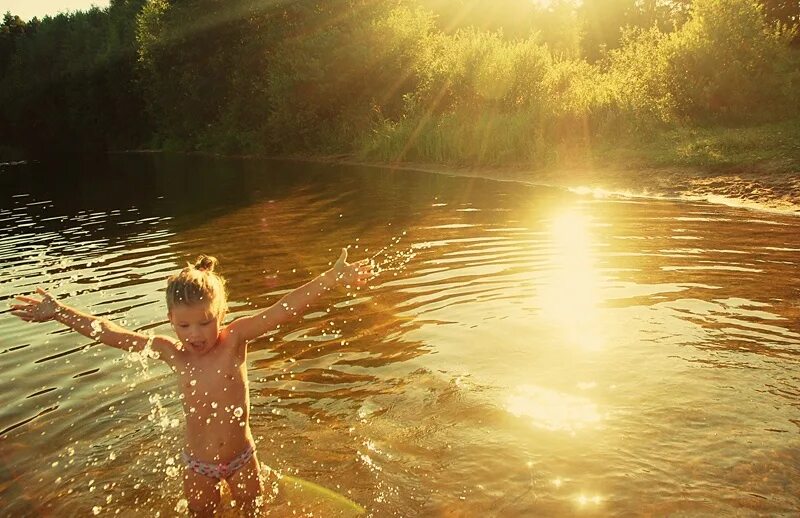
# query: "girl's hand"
{"type": "Point", "coordinates": [352, 274]}
{"type": "Point", "coordinates": [36, 310]}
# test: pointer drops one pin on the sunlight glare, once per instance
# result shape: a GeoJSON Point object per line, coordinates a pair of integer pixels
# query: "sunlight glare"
{"type": "Point", "coordinates": [570, 296]}
{"type": "Point", "coordinates": [583, 500]}
{"type": "Point", "coordinates": [552, 410]}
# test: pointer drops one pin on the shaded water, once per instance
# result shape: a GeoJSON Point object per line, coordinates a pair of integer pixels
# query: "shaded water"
{"type": "Point", "coordinates": [525, 351]}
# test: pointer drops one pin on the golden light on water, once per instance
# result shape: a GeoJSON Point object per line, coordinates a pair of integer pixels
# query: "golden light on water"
{"type": "Point", "coordinates": [584, 500]}
{"type": "Point", "coordinates": [570, 293]}
{"type": "Point", "coordinates": [568, 297]}
{"type": "Point", "coordinates": [552, 410]}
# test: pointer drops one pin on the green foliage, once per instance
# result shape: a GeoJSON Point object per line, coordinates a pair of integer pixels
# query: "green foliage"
{"type": "Point", "coordinates": [604, 21]}
{"type": "Point", "coordinates": [347, 66]}
{"type": "Point", "coordinates": [484, 100]}
{"type": "Point", "coordinates": [68, 82]}
{"type": "Point", "coordinates": [734, 61]}
{"type": "Point", "coordinates": [560, 28]}
{"type": "Point", "coordinates": [184, 55]}
{"type": "Point", "coordinates": [455, 81]}
{"type": "Point", "coordinates": [725, 64]}
{"type": "Point", "coordinates": [765, 147]}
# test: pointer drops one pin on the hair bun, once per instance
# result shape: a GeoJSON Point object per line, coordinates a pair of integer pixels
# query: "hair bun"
{"type": "Point", "coordinates": [206, 263]}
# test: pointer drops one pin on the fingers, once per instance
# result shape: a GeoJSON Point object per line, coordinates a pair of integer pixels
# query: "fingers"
{"type": "Point", "coordinates": [357, 273]}
{"type": "Point", "coordinates": [21, 311]}
{"type": "Point", "coordinates": [31, 300]}
{"type": "Point", "coordinates": [27, 310]}
{"type": "Point", "coordinates": [24, 315]}
{"type": "Point", "coordinates": [21, 307]}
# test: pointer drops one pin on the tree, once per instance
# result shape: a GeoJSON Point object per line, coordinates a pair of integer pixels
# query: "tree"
{"type": "Point", "coordinates": [11, 30]}
{"type": "Point", "coordinates": [69, 82]}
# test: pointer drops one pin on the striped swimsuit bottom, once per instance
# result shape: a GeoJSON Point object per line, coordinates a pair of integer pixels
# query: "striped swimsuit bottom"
{"type": "Point", "coordinates": [221, 471]}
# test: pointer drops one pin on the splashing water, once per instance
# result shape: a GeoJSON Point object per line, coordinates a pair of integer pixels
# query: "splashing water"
{"type": "Point", "coordinates": [365, 383]}
{"type": "Point", "coordinates": [97, 328]}
{"type": "Point", "coordinates": [392, 258]}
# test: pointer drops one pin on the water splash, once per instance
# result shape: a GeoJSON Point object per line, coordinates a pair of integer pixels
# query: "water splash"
{"type": "Point", "coordinates": [159, 415]}
{"type": "Point", "coordinates": [392, 258]}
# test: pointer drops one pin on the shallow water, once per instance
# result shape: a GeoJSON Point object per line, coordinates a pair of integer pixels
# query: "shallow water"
{"type": "Point", "coordinates": [525, 351]}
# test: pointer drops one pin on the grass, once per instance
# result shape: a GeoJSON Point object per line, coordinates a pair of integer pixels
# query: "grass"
{"type": "Point", "coordinates": [768, 147]}
{"type": "Point", "coordinates": [511, 141]}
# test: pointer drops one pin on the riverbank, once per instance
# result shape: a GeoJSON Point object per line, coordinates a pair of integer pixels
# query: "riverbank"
{"type": "Point", "coordinates": [772, 185]}
{"type": "Point", "coordinates": [756, 166]}
{"type": "Point", "coordinates": [738, 186]}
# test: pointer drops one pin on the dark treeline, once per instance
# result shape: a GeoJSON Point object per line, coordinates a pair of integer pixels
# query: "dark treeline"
{"type": "Point", "coordinates": [436, 80]}
{"type": "Point", "coordinates": [70, 82]}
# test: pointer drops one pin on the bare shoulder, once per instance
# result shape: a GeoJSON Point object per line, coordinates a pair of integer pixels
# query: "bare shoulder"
{"type": "Point", "coordinates": [166, 347]}
{"type": "Point", "coordinates": [229, 336]}
{"type": "Point", "coordinates": [231, 339]}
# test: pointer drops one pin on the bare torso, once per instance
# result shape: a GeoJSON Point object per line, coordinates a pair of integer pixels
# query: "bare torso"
{"type": "Point", "coordinates": [216, 400]}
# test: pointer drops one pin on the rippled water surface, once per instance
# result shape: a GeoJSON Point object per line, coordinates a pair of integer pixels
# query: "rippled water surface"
{"type": "Point", "coordinates": [524, 351]}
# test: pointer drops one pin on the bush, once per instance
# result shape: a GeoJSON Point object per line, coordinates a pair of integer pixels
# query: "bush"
{"type": "Point", "coordinates": [725, 64]}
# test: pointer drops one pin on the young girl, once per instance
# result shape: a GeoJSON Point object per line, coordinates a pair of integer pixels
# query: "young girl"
{"type": "Point", "coordinates": [210, 360]}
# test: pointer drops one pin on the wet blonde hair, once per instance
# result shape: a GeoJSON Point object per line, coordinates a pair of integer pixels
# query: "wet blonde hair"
{"type": "Point", "coordinates": [198, 283]}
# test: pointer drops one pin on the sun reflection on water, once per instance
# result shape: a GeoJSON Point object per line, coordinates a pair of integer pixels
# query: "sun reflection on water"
{"type": "Point", "coordinates": [553, 410]}
{"type": "Point", "coordinates": [570, 294]}
{"type": "Point", "coordinates": [585, 500]}
{"type": "Point", "coordinates": [568, 298]}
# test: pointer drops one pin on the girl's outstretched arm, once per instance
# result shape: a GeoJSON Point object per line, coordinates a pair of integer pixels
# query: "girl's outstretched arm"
{"type": "Point", "coordinates": [48, 308]}
{"type": "Point", "coordinates": [299, 300]}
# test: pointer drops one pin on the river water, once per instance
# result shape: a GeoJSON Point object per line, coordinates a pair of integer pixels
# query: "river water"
{"type": "Point", "coordinates": [524, 351]}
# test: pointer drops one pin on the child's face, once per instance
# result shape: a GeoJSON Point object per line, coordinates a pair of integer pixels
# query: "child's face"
{"type": "Point", "coordinates": [196, 325]}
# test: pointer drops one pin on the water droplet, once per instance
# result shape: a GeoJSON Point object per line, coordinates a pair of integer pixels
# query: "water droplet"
{"type": "Point", "coordinates": [96, 509]}
{"type": "Point", "coordinates": [238, 412]}
{"type": "Point", "coordinates": [193, 383]}
{"type": "Point", "coordinates": [214, 404]}
{"type": "Point", "coordinates": [182, 506]}
{"type": "Point", "coordinates": [97, 328]}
